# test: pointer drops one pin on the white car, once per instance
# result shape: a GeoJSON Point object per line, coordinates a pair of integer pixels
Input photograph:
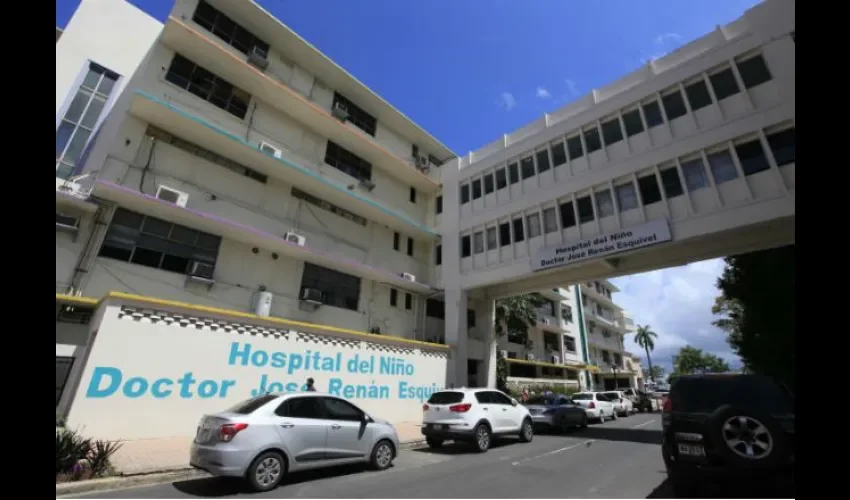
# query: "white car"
{"type": "Point", "coordinates": [623, 406]}
{"type": "Point", "coordinates": [596, 404]}
{"type": "Point", "coordinates": [474, 416]}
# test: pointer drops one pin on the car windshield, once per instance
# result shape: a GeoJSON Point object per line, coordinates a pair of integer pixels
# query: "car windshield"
{"type": "Point", "coordinates": [582, 397]}
{"type": "Point", "coordinates": [540, 400]}
{"type": "Point", "coordinates": [612, 395]}
{"type": "Point", "coordinates": [709, 393]}
{"type": "Point", "coordinates": [251, 405]}
{"type": "Point", "coordinates": [445, 398]}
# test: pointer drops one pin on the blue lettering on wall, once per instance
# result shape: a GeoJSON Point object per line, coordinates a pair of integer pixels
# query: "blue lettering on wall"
{"type": "Point", "coordinates": [107, 380]}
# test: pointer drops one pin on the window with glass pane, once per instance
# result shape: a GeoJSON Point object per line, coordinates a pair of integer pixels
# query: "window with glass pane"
{"type": "Point", "coordinates": [465, 246]}
{"type": "Point", "coordinates": [626, 196]}
{"type": "Point", "coordinates": [724, 84]}
{"type": "Point", "coordinates": [559, 154]}
{"type": "Point", "coordinates": [464, 194]}
{"type": "Point", "coordinates": [501, 179]}
{"type": "Point", "coordinates": [632, 122]}
{"type": "Point", "coordinates": [754, 71]}
{"type": "Point", "coordinates": [476, 189]}
{"type": "Point", "coordinates": [338, 289]}
{"type": "Point", "coordinates": [784, 146]}
{"type": "Point", "coordinates": [550, 220]}
{"type": "Point", "coordinates": [649, 191]}
{"type": "Point", "coordinates": [698, 95]}
{"type": "Point", "coordinates": [504, 234]}
{"type": "Point", "coordinates": [674, 105]}
{"type": "Point", "coordinates": [671, 182]}
{"type": "Point", "coordinates": [478, 242]}
{"type": "Point", "coordinates": [533, 223]}
{"type": "Point", "coordinates": [229, 31]}
{"type": "Point", "coordinates": [611, 131]}
{"type": "Point", "coordinates": [574, 147]}
{"type": "Point", "coordinates": [519, 233]}
{"type": "Point", "coordinates": [80, 118]}
{"type": "Point", "coordinates": [488, 184]}
{"type": "Point", "coordinates": [204, 84]}
{"type": "Point", "coordinates": [491, 238]}
{"type": "Point", "coordinates": [694, 172]}
{"type": "Point", "coordinates": [542, 161]}
{"type": "Point", "coordinates": [513, 173]}
{"type": "Point", "coordinates": [585, 209]}
{"type": "Point", "coordinates": [526, 166]}
{"type": "Point", "coordinates": [752, 157]}
{"type": "Point", "coordinates": [722, 167]}
{"type": "Point", "coordinates": [568, 215]}
{"type": "Point", "coordinates": [652, 112]}
{"type": "Point", "coordinates": [592, 140]}
{"type": "Point", "coordinates": [604, 203]}
{"type": "Point", "coordinates": [347, 162]}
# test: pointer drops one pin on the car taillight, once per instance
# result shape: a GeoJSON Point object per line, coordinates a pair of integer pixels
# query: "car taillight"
{"type": "Point", "coordinates": [461, 408]}
{"type": "Point", "coordinates": [228, 431]}
{"type": "Point", "coordinates": [668, 405]}
{"type": "Point", "coordinates": [592, 405]}
{"type": "Point", "coordinates": [425, 407]}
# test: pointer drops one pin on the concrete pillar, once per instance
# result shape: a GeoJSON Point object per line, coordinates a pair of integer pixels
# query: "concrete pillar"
{"type": "Point", "coordinates": [487, 318]}
{"type": "Point", "coordinates": [456, 336]}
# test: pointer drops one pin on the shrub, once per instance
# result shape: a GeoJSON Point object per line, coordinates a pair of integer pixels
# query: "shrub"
{"type": "Point", "coordinates": [515, 390]}
{"type": "Point", "coordinates": [60, 420]}
{"type": "Point", "coordinates": [78, 457]}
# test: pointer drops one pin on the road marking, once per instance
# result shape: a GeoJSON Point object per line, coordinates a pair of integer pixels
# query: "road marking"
{"type": "Point", "coordinates": [553, 452]}
{"type": "Point", "coordinates": [645, 423]}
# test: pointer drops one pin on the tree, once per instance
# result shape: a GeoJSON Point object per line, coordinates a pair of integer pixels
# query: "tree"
{"type": "Point", "coordinates": [693, 360]}
{"type": "Point", "coordinates": [645, 338]}
{"type": "Point", "coordinates": [654, 373]}
{"type": "Point", "coordinates": [514, 315]}
{"type": "Point", "coordinates": [756, 309]}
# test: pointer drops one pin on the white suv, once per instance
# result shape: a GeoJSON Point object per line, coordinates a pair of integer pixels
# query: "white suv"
{"type": "Point", "coordinates": [474, 416]}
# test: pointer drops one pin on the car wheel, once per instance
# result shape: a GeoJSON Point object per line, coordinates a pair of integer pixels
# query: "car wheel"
{"type": "Point", "coordinates": [747, 438]}
{"type": "Point", "coordinates": [526, 431]}
{"type": "Point", "coordinates": [583, 422]}
{"type": "Point", "coordinates": [614, 415]}
{"type": "Point", "coordinates": [482, 438]}
{"type": "Point", "coordinates": [434, 442]}
{"type": "Point", "coordinates": [266, 471]}
{"type": "Point", "coordinates": [382, 455]}
{"type": "Point", "coordinates": [601, 417]}
{"type": "Point", "coordinates": [564, 425]}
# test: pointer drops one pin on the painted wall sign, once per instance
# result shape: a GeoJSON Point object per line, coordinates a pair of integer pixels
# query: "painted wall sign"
{"type": "Point", "coordinates": [651, 233]}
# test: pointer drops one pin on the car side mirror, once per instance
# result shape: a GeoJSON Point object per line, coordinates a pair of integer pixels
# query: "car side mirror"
{"type": "Point", "coordinates": [514, 402]}
{"type": "Point", "coordinates": [367, 419]}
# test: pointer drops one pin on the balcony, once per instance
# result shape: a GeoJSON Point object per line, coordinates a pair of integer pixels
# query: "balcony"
{"type": "Point", "coordinates": [556, 294]}
{"type": "Point", "coordinates": [548, 322]}
{"type": "Point", "coordinates": [206, 50]}
{"type": "Point", "coordinates": [193, 128]}
{"type": "Point", "coordinates": [596, 294]}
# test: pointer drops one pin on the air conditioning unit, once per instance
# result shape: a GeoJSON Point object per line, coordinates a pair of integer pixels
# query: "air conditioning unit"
{"type": "Point", "coordinates": [201, 270]}
{"type": "Point", "coordinates": [68, 223]}
{"type": "Point", "coordinates": [503, 353]}
{"type": "Point", "coordinates": [259, 58]}
{"type": "Point", "coordinates": [295, 239]}
{"type": "Point", "coordinates": [367, 185]}
{"type": "Point", "coordinates": [529, 357]}
{"type": "Point", "coordinates": [422, 163]}
{"type": "Point", "coordinates": [408, 277]}
{"type": "Point", "coordinates": [172, 195]}
{"type": "Point", "coordinates": [270, 149]}
{"type": "Point", "coordinates": [311, 295]}
{"type": "Point", "coordinates": [339, 111]}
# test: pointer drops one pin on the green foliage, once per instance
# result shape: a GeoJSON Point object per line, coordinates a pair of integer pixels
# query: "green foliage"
{"type": "Point", "coordinates": [515, 315]}
{"type": "Point", "coordinates": [756, 309]}
{"type": "Point", "coordinates": [78, 457]}
{"type": "Point", "coordinates": [501, 374]}
{"type": "Point", "coordinates": [516, 391]}
{"type": "Point", "coordinates": [645, 338]}
{"type": "Point", "coordinates": [693, 360]}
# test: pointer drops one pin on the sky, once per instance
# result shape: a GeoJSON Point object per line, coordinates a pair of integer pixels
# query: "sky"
{"type": "Point", "coordinates": [469, 71]}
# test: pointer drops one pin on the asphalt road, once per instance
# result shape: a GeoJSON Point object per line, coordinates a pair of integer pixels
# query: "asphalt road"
{"type": "Point", "coordinates": [617, 459]}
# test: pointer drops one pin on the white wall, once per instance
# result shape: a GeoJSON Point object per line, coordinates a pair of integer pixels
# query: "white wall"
{"type": "Point", "coordinates": [169, 351]}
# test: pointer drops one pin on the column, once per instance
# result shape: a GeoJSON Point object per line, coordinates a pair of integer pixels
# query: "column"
{"type": "Point", "coordinates": [456, 336]}
{"type": "Point", "coordinates": [487, 320]}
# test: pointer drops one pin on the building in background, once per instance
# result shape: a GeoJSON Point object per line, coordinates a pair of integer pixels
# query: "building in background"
{"type": "Point", "coordinates": [607, 325]}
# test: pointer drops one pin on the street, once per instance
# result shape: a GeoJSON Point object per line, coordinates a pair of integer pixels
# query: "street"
{"type": "Point", "coordinates": [619, 459]}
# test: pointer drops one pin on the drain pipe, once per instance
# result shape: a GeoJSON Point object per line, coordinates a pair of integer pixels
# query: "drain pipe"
{"type": "Point", "coordinates": [88, 254]}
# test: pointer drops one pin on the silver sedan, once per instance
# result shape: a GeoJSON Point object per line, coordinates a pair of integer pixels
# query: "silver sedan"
{"type": "Point", "coordinates": [556, 411]}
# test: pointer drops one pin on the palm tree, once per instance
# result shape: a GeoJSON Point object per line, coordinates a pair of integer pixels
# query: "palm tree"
{"type": "Point", "coordinates": [645, 338]}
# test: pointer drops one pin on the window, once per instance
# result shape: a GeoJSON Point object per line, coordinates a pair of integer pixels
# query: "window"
{"type": "Point", "coordinates": [63, 370]}
{"type": "Point", "coordinates": [649, 191]}
{"type": "Point", "coordinates": [396, 241]}
{"type": "Point", "coordinates": [75, 315]}
{"type": "Point", "coordinates": [550, 220]}
{"type": "Point", "coordinates": [674, 105]}
{"type": "Point", "coordinates": [347, 162]}
{"type": "Point", "coordinates": [501, 179]}
{"type": "Point", "coordinates": [361, 119]}
{"type": "Point", "coordinates": [526, 166]}
{"type": "Point", "coordinates": [324, 205]}
{"type": "Point", "coordinates": [338, 289]}
{"type": "Point", "coordinates": [488, 184]}
{"type": "Point", "coordinates": [652, 112]}
{"type": "Point", "coordinates": [393, 297]}
{"type": "Point", "coordinates": [698, 95]}
{"type": "Point", "coordinates": [632, 122]}
{"type": "Point", "coordinates": [694, 173]}
{"type": "Point", "coordinates": [249, 406]}
{"type": "Point", "coordinates": [722, 167]}
{"type": "Point", "coordinates": [724, 84]}
{"type": "Point", "coordinates": [470, 318]}
{"type": "Point", "coordinates": [559, 154]}
{"type": "Point", "coordinates": [435, 309]}
{"type": "Point", "coordinates": [219, 92]}
{"type": "Point", "coordinates": [491, 238]}
{"type": "Point", "coordinates": [337, 409]}
{"type": "Point", "coordinates": [225, 28]}
{"type": "Point", "coordinates": [301, 408]}
{"type": "Point", "coordinates": [542, 161]}
{"type": "Point", "coordinates": [412, 195]}
{"type": "Point", "coordinates": [754, 71]}
{"type": "Point", "coordinates": [465, 248]}
{"type": "Point", "coordinates": [592, 140]}
{"type": "Point", "coordinates": [504, 234]}
{"type": "Point", "coordinates": [439, 203]}
{"type": "Point", "coordinates": [438, 255]}
{"type": "Point", "coordinates": [568, 215]}
{"type": "Point", "coordinates": [574, 147]}
{"type": "Point", "coordinates": [611, 131]}
{"type": "Point", "coordinates": [569, 344]}
{"type": "Point", "coordinates": [604, 203]}
{"type": "Point", "coordinates": [784, 146]}
{"type": "Point", "coordinates": [476, 189]}
{"type": "Point", "coordinates": [585, 209]}
{"type": "Point", "coordinates": [193, 149]}
{"type": "Point", "coordinates": [752, 157]}
{"type": "Point", "coordinates": [671, 182]}
{"type": "Point", "coordinates": [80, 118]}
{"type": "Point", "coordinates": [519, 233]}
{"type": "Point", "coordinates": [150, 242]}
{"type": "Point", "coordinates": [513, 173]}
{"type": "Point", "coordinates": [408, 301]}
{"type": "Point", "coordinates": [567, 313]}
{"type": "Point", "coordinates": [626, 196]}
{"type": "Point", "coordinates": [464, 194]}
{"type": "Point", "coordinates": [478, 242]}
{"type": "Point", "coordinates": [533, 223]}
{"type": "Point", "coordinates": [410, 246]}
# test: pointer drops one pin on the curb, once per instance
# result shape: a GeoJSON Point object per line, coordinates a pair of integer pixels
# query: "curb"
{"type": "Point", "coordinates": [152, 478]}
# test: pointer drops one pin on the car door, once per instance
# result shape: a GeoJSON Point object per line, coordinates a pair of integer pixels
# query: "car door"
{"type": "Point", "coordinates": [570, 411]}
{"type": "Point", "coordinates": [511, 416]}
{"type": "Point", "coordinates": [606, 407]}
{"type": "Point", "coordinates": [349, 436]}
{"type": "Point", "coordinates": [303, 429]}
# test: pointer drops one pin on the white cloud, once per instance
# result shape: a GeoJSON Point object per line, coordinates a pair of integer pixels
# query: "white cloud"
{"type": "Point", "coordinates": [572, 88]}
{"type": "Point", "coordinates": [668, 38]}
{"type": "Point", "coordinates": [507, 101]}
{"type": "Point", "coordinates": [542, 93]}
{"type": "Point", "coordinates": [676, 304]}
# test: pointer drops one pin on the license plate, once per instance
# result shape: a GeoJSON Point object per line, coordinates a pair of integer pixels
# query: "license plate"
{"type": "Point", "coordinates": [691, 450]}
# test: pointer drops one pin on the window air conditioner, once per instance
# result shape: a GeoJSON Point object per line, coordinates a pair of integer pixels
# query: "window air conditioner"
{"type": "Point", "coordinates": [503, 353]}
{"type": "Point", "coordinates": [311, 295]}
{"type": "Point", "coordinates": [409, 277]}
{"type": "Point", "coordinates": [267, 148]}
{"type": "Point", "coordinates": [259, 58]}
{"type": "Point", "coordinates": [295, 239]}
{"type": "Point", "coordinates": [529, 357]}
{"type": "Point", "coordinates": [339, 111]}
{"type": "Point", "coordinates": [172, 195]}
{"type": "Point", "coordinates": [201, 270]}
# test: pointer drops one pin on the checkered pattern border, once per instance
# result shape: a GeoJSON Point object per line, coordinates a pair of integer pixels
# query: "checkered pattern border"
{"type": "Point", "coordinates": [435, 354]}
{"type": "Point", "coordinates": [326, 340]}
{"type": "Point", "coordinates": [154, 316]}
{"type": "Point", "coordinates": [390, 348]}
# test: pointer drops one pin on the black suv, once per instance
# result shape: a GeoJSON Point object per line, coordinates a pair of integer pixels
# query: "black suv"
{"type": "Point", "coordinates": [728, 426]}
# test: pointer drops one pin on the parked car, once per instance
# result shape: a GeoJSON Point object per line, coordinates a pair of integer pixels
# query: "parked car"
{"type": "Point", "coordinates": [596, 405]}
{"type": "Point", "coordinates": [264, 438]}
{"type": "Point", "coordinates": [643, 402]}
{"type": "Point", "coordinates": [556, 412]}
{"type": "Point", "coordinates": [622, 405]}
{"type": "Point", "coordinates": [474, 416]}
{"type": "Point", "coordinates": [733, 426]}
